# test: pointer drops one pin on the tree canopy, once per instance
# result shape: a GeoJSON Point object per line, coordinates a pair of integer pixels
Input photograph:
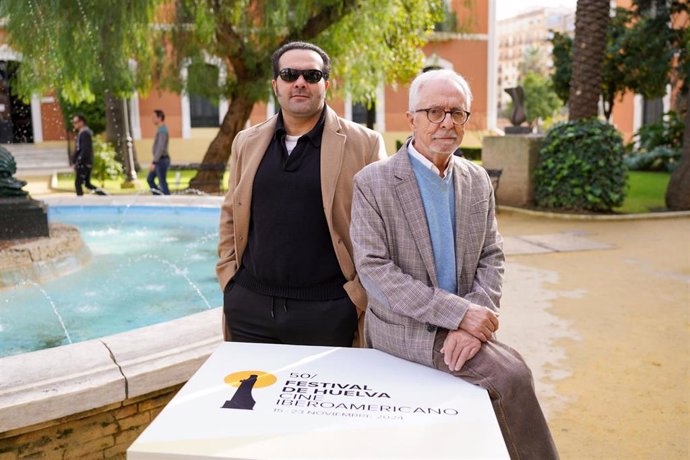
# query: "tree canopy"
{"type": "Point", "coordinates": [371, 42]}
{"type": "Point", "coordinates": [81, 47]}
{"type": "Point", "coordinates": [638, 57]}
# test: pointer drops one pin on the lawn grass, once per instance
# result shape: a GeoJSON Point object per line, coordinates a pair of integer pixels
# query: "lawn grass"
{"type": "Point", "coordinates": [646, 192]}
{"type": "Point", "coordinates": [178, 181]}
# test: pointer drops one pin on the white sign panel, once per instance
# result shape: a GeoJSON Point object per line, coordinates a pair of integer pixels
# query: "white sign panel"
{"type": "Point", "coordinates": [258, 401]}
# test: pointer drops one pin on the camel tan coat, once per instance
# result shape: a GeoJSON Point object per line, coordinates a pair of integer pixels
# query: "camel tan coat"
{"type": "Point", "coordinates": [346, 148]}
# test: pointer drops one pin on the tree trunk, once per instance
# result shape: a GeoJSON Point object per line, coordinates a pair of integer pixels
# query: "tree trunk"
{"type": "Point", "coordinates": [208, 178]}
{"type": "Point", "coordinates": [117, 128]}
{"type": "Point", "coordinates": [591, 24]}
{"type": "Point", "coordinates": [678, 191]}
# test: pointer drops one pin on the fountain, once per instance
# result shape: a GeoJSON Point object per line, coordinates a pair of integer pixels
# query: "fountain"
{"type": "Point", "coordinates": [114, 383]}
{"type": "Point", "coordinates": [30, 249]}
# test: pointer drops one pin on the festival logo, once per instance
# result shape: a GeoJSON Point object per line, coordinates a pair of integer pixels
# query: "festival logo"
{"type": "Point", "coordinates": [245, 381]}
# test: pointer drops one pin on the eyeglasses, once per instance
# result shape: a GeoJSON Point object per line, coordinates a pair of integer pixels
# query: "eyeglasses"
{"type": "Point", "coordinates": [310, 75]}
{"type": "Point", "coordinates": [436, 115]}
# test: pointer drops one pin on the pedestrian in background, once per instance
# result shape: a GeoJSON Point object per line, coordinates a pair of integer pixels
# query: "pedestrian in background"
{"type": "Point", "coordinates": [161, 157]}
{"type": "Point", "coordinates": [82, 160]}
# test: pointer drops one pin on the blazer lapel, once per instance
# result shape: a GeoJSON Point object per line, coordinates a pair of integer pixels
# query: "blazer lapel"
{"type": "Point", "coordinates": [255, 148]}
{"type": "Point", "coordinates": [463, 194]}
{"type": "Point", "coordinates": [332, 154]}
{"type": "Point", "coordinates": [411, 203]}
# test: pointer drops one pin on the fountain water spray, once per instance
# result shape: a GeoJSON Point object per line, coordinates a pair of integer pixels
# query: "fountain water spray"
{"type": "Point", "coordinates": [178, 271]}
{"type": "Point", "coordinates": [52, 304]}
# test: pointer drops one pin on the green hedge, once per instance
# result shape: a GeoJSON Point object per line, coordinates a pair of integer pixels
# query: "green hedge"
{"type": "Point", "coordinates": [581, 167]}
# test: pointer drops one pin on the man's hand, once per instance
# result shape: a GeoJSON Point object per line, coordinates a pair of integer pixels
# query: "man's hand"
{"type": "Point", "coordinates": [152, 167]}
{"type": "Point", "coordinates": [480, 322]}
{"type": "Point", "coordinates": [458, 348]}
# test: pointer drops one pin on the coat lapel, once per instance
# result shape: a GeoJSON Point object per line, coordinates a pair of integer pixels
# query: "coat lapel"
{"type": "Point", "coordinates": [332, 154]}
{"type": "Point", "coordinates": [255, 148]}
{"type": "Point", "coordinates": [413, 208]}
{"type": "Point", "coordinates": [463, 194]}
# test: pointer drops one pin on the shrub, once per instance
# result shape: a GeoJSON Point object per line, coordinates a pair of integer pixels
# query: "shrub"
{"type": "Point", "coordinates": [472, 153]}
{"type": "Point", "coordinates": [667, 131]}
{"type": "Point", "coordinates": [658, 145]}
{"type": "Point", "coordinates": [581, 167]}
{"type": "Point", "coordinates": [94, 112]}
{"type": "Point", "coordinates": [660, 158]}
{"type": "Point", "coordinates": [105, 166]}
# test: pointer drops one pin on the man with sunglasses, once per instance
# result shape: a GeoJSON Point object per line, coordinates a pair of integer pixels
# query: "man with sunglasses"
{"type": "Point", "coordinates": [428, 252]}
{"type": "Point", "coordinates": [286, 265]}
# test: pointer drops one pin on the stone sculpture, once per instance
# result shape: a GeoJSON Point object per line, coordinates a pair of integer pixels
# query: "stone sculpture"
{"type": "Point", "coordinates": [519, 114]}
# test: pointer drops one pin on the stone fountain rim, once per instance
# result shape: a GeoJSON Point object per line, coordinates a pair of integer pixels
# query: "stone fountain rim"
{"type": "Point", "coordinates": [48, 384]}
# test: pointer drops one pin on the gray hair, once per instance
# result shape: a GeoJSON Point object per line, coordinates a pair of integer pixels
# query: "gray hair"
{"type": "Point", "coordinates": [441, 74]}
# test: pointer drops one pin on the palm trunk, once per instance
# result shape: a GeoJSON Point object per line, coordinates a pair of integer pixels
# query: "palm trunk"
{"type": "Point", "coordinates": [591, 24]}
{"type": "Point", "coordinates": [678, 191]}
{"type": "Point", "coordinates": [208, 178]}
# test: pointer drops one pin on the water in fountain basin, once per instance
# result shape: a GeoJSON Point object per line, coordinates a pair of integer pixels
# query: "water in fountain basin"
{"type": "Point", "coordinates": [152, 265]}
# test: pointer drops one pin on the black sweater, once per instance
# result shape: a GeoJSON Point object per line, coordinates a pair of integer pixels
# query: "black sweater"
{"type": "Point", "coordinates": [290, 252]}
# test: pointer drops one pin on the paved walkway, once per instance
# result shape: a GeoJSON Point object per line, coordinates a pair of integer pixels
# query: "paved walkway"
{"type": "Point", "coordinates": [600, 311]}
{"type": "Point", "coordinates": [602, 318]}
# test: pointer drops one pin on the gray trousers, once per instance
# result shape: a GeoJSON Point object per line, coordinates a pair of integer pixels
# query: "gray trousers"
{"type": "Point", "coordinates": [504, 374]}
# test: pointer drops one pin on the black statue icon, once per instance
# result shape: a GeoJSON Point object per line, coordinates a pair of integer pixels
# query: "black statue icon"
{"type": "Point", "coordinates": [519, 114]}
{"type": "Point", "coordinates": [242, 399]}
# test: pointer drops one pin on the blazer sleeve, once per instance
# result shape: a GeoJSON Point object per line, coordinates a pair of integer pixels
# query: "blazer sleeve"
{"type": "Point", "coordinates": [384, 281]}
{"type": "Point", "coordinates": [86, 147]}
{"type": "Point", "coordinates": [379, 150]}
{"type": "Point", "coordinates": [78, 149]}
{"type": "Point", "coordinates": [226, 232]}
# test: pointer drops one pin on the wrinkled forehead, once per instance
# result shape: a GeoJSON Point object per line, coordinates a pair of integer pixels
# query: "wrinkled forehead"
{"type": "Point", "coordinates": [441, 92]}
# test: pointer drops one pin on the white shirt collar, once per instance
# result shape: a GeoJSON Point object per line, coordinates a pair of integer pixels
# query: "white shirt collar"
{"type": "Point", "coordinates": [447, 174]}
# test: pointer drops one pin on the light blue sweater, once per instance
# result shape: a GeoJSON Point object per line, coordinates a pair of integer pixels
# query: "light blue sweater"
{"type": "Point", "coordinates": [438, 197]}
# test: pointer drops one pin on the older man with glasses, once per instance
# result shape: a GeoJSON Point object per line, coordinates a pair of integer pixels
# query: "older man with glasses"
{"type": "Point", "coordinates": [286, 265]}
{"type": "Point", "coordinates": [428, 252]}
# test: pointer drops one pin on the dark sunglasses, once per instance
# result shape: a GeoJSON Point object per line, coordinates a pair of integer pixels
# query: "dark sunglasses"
{"type": "Point", "coordinates": [310, 75]}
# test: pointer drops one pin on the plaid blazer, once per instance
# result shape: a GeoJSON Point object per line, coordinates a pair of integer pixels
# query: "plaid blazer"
{"type": "Point", "coordinates": [395, 262]}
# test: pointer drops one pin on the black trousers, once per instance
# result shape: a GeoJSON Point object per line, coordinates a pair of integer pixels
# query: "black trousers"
{"type": "Point", "coordinates": [252, 317]}
{"type": "Point", "coordinates": [83, 177]}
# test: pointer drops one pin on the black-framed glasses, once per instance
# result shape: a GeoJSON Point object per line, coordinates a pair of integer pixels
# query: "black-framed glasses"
{"type": "Point", "coordinates": [310, 75]}
{"type": "Point", "coordinates": [437, 115]}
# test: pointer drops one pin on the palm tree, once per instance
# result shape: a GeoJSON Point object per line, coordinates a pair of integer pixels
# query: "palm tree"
{"type": "Point", "coordinates": [591, 23]}
{"type": "Point", "coordinates": [678, 191]}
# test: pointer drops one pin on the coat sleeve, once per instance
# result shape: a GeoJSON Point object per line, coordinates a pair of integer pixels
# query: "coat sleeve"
{"type": "Point", "coordinates": [379, 150]}
{"type": "Point", "coordinates": [385, 282]}
{"type": "Point", "coordinates": [226, 233]}
{"type": "Point", "coordinates": [86, 148]}
{"type": "Point", "coordinates": [78, 149]}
